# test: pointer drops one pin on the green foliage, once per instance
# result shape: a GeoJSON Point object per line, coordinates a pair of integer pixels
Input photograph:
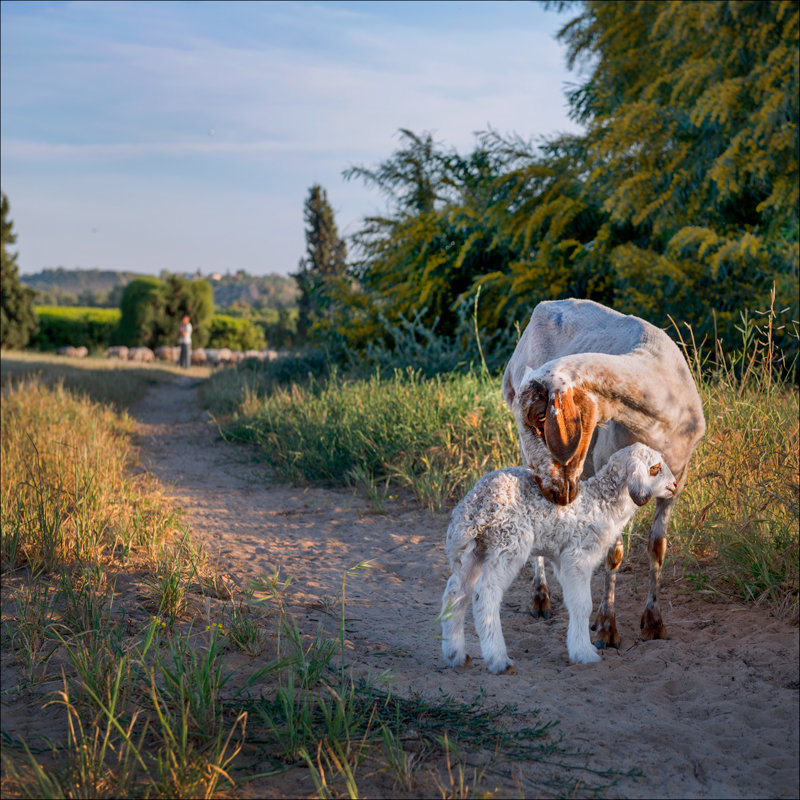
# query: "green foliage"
{"type": "Point", "coordinates": [423, 256]}
{"type": "Point", "coordinates": [151, 310]}
{"type": "Point", "coordinates": [235, 333]}
{"type": "Point", "coordinates": [17, 318]}
{"type": "Point", "coordinates": [141, 307]}
{"type": "Point", "coordinates": [437, 435]}
{"type": "Point", "coordinates": [692, 120]}
{"type": "Point", "coordinates": [681, 196]}
{"type": "Point", "coordinates": [60, 326]}
{"type": "Point", "coordinates": [322, 271]}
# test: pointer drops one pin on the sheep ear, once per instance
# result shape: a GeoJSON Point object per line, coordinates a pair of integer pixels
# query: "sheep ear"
{"type": "Point", "coordinates": [638, 487]}
{"type": "Point", "coordinates": [533, 402]}
{"type": "Point", "coordinates": [562, 425]}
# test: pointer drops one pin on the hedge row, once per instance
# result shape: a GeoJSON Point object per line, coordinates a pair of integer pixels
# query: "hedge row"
{"type": "Point", "coordinates": [96, 329]}
{"type": "Point", "coordinates": [60, 326]}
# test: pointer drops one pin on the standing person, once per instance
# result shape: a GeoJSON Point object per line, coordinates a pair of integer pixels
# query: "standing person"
{"type": "Point", "coordinates": [185, 339]}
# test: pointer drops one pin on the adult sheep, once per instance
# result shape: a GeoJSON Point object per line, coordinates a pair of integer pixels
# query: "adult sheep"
{"type": "Point", "coordinates": [583, 382]}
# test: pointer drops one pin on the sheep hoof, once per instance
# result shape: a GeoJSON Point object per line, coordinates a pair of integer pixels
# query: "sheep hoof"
{"type": "Point", "coordinates": [540, 605]}
{"type": "Point", "coordinates": [607, 633]}
{"type": "Point", "coordinates": [652, 626]}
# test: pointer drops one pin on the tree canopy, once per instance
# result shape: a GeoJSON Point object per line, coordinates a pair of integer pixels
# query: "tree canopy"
{"type": "Point", "coordinates": [679, 200]}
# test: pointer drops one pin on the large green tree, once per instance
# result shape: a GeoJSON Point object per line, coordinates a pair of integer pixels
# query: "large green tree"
{"type": "Point", "coordinates": [151, 309]}
{"type": "Point", "coordinates": [680, 199]}
{"type": "Point", "coordinates": [321, 273]}
{"type": "Point", "coordinates": [692, 146]}
{"type": "Point", "coordinates": [17, 317]}
{"type": "Point", "coordinates": [421, 258]}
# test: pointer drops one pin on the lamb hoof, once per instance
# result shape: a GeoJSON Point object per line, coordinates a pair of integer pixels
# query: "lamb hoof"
{"type": "Point", "coordinates": [540, 605]}
{"type": "Point", "coordinates": [455, 660]}
{"type": "Point", "coordinates": [588, 657]}
{"type": "Point", "coordinates": [652, 626]}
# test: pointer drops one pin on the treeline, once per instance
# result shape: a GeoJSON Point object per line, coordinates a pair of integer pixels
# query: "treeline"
{"type": "Point", "coordinates": [239, 291]}
{"type": "Point", "coordinates": [679, 201]}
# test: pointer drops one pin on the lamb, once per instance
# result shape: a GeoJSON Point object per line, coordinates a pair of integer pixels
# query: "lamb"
{"type": "Point", "coordinates": [583, 382]}
{"type": "Point", "coordinates": [505, 518]}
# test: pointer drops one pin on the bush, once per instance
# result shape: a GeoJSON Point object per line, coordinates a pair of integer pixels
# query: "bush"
{"type": "Point", "coordinates": [152, 309]}
{"type": "Point", "coordinates": [60, 326]}
{"type": "Point", "coordinates": [235, 333]}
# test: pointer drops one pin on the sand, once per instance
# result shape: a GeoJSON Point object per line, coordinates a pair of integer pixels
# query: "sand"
{"type": "Point", "coordinates": [710, 712]}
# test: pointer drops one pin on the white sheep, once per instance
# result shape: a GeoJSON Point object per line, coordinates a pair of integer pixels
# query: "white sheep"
{"type": "Point", "coordinates": [505, 518]}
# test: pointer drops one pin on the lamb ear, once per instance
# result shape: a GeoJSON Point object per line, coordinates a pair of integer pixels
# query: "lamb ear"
{"type": "Point", "coordinates": [638, 487]}
{"type": "Point", "coordinates": [562, 426]}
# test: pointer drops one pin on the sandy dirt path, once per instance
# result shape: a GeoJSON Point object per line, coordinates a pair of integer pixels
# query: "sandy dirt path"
{"type": "Point", "coordinates": [711, 712]}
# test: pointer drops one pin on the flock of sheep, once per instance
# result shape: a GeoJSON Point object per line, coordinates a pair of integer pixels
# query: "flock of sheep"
{"type": "Point", "coordinates": [200, 356]}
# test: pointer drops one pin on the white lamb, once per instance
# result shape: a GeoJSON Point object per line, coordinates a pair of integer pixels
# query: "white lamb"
{"type": "Point", "coordinates": [505, 518]}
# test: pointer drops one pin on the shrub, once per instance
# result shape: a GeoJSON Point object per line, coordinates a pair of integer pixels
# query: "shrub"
{"type": "Point", "coordinates": [59, 326]}
{"type": "Point", "coordinates": [151, 310]}
{"type": "Point", "coordinates": [235, 333]}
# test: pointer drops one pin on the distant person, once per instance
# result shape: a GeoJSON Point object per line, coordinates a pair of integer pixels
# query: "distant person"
{"type": "Point", "coordinates": [185, 339]}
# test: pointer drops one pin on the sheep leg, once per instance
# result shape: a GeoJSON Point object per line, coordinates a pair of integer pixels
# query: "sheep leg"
{"type": "Point", "coordinates": [540, 593]}
{"type": "Point", "coordinates": [605, 623]}
{"type": "Point", "coordinates": [454, 608]}
{"type": "Point", "coordinates": [576, 583]}
{"type": "Point", "coordinates": [497, 576]}
{"type": "Point", "coordinates": [651, 624]}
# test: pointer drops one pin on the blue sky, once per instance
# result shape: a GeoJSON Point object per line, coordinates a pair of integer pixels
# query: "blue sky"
{"type": "Point", "coordinates": [185, 135]}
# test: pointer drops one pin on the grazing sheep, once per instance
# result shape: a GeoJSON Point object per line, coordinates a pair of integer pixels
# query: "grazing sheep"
{"type": "Point", "coordinates": [505, 518]}
{"type": "Point", "coordinates": [72, 352]}
{"type": "Point", "coordinates": [118, 351]}
{"type": "Point", "coordinates": [579, 364]}
{"type": "Point", "coordinates": [199, 356]}
{"type": "Point", "coordinates": [167, 353]}
{"type": "Point", "coordinates": [142, 354]}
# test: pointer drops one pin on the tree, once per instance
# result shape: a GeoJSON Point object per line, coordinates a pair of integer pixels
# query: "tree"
{"type": "Point", "coordinates": [692, 122]}
{"type": "Point", "coordinates": [151, 309]}
{"type": "Point", "coordinates": [141, 307]}
{"type": "Point", "coordinates": [421, 258]}
{"type": "Point", "coordinates": [17, 317]}
{"type": "Point", "coordinates": [325, 263]}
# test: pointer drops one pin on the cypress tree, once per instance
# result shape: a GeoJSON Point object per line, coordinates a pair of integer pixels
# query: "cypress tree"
{"type": "Point", "coordinates": [324, 265]}
{"type": "Point", "coordinates": [17, 317]}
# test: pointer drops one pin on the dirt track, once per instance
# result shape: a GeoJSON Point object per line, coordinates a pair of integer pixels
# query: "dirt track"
{"type": "Point", "coordinates": [711, 712]}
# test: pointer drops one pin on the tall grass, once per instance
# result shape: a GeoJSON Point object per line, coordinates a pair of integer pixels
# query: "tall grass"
{"type": "Point", "coordinates": [436, 435]}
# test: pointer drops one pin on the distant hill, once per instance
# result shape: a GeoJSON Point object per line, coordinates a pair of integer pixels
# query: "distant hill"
{"type": "Point", "coordinates": [103, 288]}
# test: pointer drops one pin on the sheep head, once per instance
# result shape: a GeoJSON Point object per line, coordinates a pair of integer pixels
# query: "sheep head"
{"type": "Point", "coordinates": [556, 420]}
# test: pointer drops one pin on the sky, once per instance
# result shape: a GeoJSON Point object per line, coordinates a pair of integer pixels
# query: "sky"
{"type": "Point", "coordinates": [184, 136]}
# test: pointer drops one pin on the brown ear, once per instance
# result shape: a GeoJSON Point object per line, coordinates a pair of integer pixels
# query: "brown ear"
{"type": "Point", "coordinates": [562, 426]}
{"type": "Point", "coordinates": [533, 402]}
